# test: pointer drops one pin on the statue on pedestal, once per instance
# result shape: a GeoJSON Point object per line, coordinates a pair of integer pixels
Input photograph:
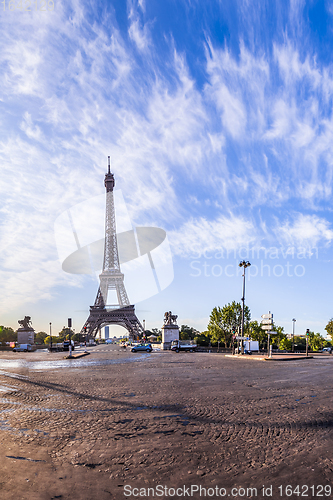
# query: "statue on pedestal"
{"type": "Point", "coordinates": [25, 334]}
{"type": "Point", "coordinates": [170, 330]}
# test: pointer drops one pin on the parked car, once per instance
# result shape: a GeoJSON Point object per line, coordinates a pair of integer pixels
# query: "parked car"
{"type": "Point", "coordinates": [66, 345]}
{"type": "Point", "coordinates": [108, 341]}
{"type": "Point", "coordinates": [22, 348]}
{"type": "Point", "coordinates": [142, 347]}
{"type": "Point", "coordinates": [327, 349]}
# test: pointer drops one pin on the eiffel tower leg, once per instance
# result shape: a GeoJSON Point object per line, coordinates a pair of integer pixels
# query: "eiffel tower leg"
{"type": "Point", "coordinates": [124, 316]}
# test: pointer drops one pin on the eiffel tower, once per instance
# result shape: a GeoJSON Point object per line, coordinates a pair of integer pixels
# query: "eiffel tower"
{"type": "Point", "coordinates": [111, 279]}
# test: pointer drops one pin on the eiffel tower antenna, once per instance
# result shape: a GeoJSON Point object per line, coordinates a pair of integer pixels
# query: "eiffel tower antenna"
{"type": "Point", "coordinates": [119, 311]}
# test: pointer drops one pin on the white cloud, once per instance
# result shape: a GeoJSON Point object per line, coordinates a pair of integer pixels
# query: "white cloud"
{"type": "Point", "coordinates": [33, 132]}
{"type": "Point", "coordinates": [304, 231]}
{"type": "Point", "coordinates": [139, 35]}
{"type": "Point", "coordinates": [237, 88]}
{"type": "Point", "coordinates": [138, 31]}
{"type": "Point", "coordinates": [201, 235]}
{"type": "Point", "coordinates": [292, 69]}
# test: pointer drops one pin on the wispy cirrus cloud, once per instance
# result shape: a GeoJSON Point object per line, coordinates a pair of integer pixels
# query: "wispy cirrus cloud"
{"type": "Point", "coordinates": [199, 236]}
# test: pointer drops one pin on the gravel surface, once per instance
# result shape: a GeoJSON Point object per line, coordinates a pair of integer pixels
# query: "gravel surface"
{"type": "Point", "coordinates": [83, 429]}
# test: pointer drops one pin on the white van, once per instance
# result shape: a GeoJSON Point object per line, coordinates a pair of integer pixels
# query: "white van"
{"type": "Point", "coordinates": [22, 348]}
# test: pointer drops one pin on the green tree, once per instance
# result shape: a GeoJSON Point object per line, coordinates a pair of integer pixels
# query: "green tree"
{"type": "Point", "coordinates": [202, 338]}
{"type": "Point", "coordinates": [40, 337]}
{"type": "Point", "coordinates": [299, 344]}
{"type": "Point", "coordinates": [55, 340]}
{"type": "Point", "coordinates": [285, 344]}
{"type": "Point", "coordinates": [65, 332]}
{"type": "Point", "coordinates": [329, 328]}
{"type": "Point", "coordinates": [315, 341]}
{"type": "Point", "coordinates": [276, 339]}
{"type": "Point", "coordinates": [215, 330]}
{"type": "Point", "coordinates": [257, 333]}
{"type": "Point", "coordinates": [225, 322]}
{"type": "Point", "coordinates": [187, 332]}
{"type": "Point", "coordinates": [7, 334]}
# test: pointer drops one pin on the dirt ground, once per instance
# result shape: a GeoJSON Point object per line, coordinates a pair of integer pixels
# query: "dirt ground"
{"type": "Point", "coordinates": [118, 425]}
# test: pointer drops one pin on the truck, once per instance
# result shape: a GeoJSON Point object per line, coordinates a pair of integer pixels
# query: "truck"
{"type": "Point", "coordinates": [183, 345]}
{"type": "Point", "coordinates": [22, 348]}
{"type": "Point", "coordinates": [249, 346]}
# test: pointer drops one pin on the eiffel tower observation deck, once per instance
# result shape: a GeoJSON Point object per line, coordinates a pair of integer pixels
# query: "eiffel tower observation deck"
{"type": "Point", "coordinates": [111, 304]}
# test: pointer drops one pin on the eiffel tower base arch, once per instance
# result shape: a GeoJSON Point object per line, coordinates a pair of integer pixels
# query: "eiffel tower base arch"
{"type": "Point", "coordinates": [122, 316]}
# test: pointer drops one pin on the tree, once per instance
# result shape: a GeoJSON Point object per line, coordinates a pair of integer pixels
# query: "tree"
{"type": "Point", "coordinates": [55, 340]}
{"type": "Point", "coordinates": [300, 343]}
{"type": "Point", "coordinates": [285, 344]}
{"type": "Point", "coordinates": [40, 337]}
{"type": "Point", "coordinates": [7, 334]}
{"type": "Point", "coordinates": [187, 332]}
{"type": "Point", "coordinates": [215, 330]}
{"type": "Point", "coordinates": [315, 341]}
{"type": "Point", "coordinates": [276, 339]}
{"type": "Point", "coordinates": [329, 328]}
{"type": "Point", "coordinates": [225, 322]}
{"type": "Point", "coordinates": [65, 332]}
{"type": "Point", "coordinates": [257, 333]}
{"type": "Point", "coordinates": [202, 338]}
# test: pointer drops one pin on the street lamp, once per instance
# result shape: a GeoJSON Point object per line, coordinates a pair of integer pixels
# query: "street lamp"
{"type": "Point", "coordinates": [294, 321]}
{"type": "Point", "coordinates": [244, 264]}
{"type": "Point", "coordinates": [51, 336]}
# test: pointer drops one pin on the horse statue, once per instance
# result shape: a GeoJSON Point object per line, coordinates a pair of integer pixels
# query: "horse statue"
{"type": "Point", "coordinates": [25, 323]}
{"type": "Point", "coordinates": [170, 319]}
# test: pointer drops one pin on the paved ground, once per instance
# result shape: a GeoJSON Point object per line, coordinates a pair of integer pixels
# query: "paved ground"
{"type": "Point", "coordinates": [83, 429]}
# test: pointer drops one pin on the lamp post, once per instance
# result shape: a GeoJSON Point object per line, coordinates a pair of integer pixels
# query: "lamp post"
{"type": "Point", "coordinates": [307, 342]}
{"type": "Point", "coordinates": [294, 321]}
{"type": "Point", "coordinates": [70, 340]}
{"type": "Point", "coordinates": [243, 264]}
{"type": "Point", "coordinates": [51, 336]}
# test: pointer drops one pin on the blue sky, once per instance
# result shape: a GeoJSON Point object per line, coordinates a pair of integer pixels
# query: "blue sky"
{"type": "Point", "coordinates": [218, 119]}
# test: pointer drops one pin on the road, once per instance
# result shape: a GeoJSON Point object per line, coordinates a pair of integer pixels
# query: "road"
{"type": "Point", "coordinates": [83, 429]}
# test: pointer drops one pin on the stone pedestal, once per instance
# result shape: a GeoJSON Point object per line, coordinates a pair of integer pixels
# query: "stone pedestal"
{"type": "Point", "coordinates": [26, 336]}
{"type": "Point", "coordinates": [169, 333]}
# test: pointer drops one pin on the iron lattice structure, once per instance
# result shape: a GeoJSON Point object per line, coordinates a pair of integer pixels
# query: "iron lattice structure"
{"type": "Point", "coordinates": [111, 278]}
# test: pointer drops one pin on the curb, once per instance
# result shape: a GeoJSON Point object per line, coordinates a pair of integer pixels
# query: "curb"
{"type": "Point", "coordinates": [262, 358]}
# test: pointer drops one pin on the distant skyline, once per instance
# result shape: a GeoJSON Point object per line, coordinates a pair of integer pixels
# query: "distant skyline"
{"type": "Point", "coordinates": [218, 120]}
